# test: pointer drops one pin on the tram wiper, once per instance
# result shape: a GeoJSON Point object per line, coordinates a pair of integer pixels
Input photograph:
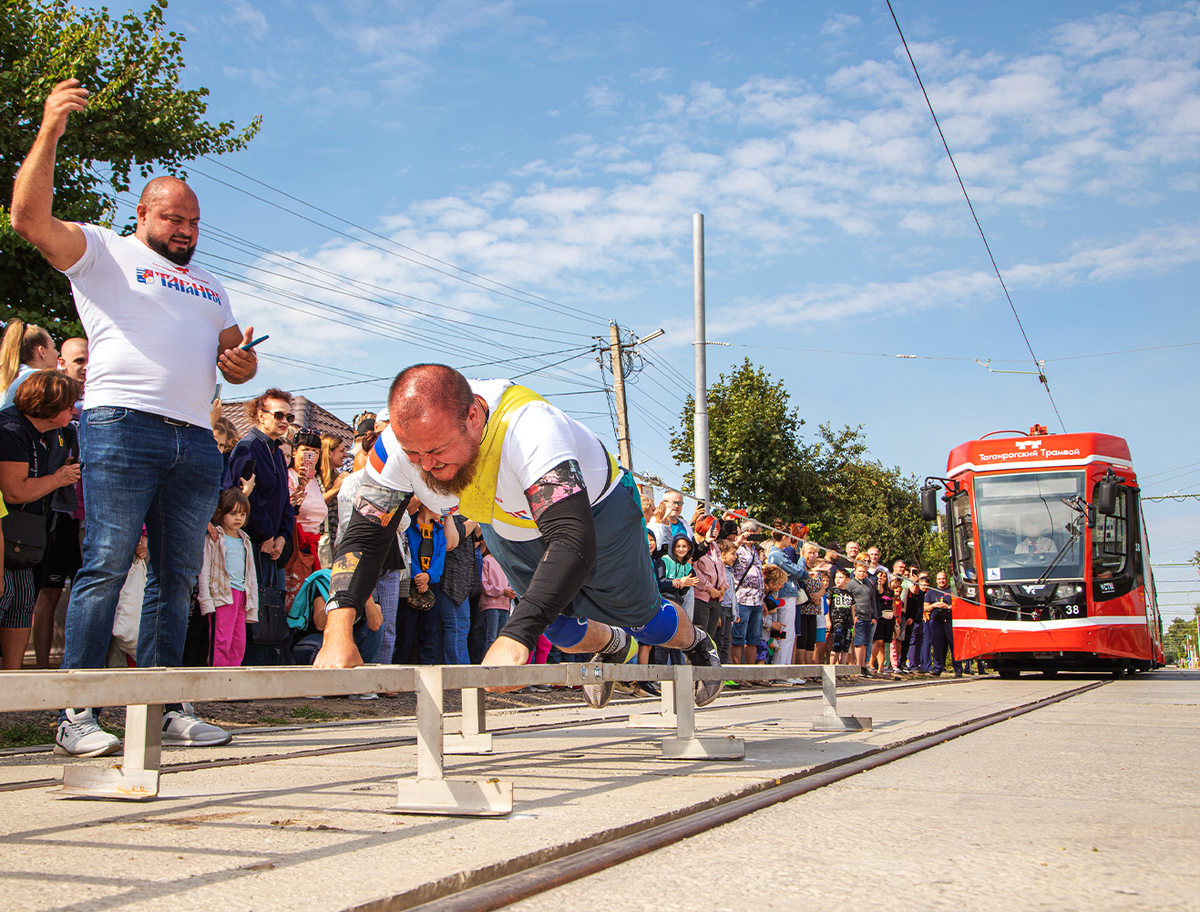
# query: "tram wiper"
{"type": "Point", "coordinates": [1076, 527]}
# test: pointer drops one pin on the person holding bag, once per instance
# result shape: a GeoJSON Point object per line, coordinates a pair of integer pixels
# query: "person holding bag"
{"type": "Point", "coordinates": [33, 435]}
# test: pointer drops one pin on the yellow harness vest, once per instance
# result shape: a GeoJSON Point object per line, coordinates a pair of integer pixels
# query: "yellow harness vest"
{"type": "Point", "coordinates": [478, 500]}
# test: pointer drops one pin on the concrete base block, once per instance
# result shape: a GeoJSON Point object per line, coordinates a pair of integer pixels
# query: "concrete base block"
{"type": "Point", "coordinates": [841, 724]}
{"type": "Point", "coordinates": [479, 743]}
{"type": "Point", "coordinates": [653, 720]}
{"type": "Point", "coordinates": [727, 748]}
{"type": "Point", "coordinates": [109, 782]}
{"type": "Point", "coordinates": [455, 797]}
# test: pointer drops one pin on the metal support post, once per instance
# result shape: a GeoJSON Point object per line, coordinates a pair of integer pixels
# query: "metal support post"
{"type": "Point", "coordinates": [685, 745]}
{"type": "Point", "coordinates": [137, 777]}
{"type": "Point", "coordinates": [431, 792]}
{"type": "Point", "coordinates": [700, 421]}
{"type": "Point", "coordinates": [665, 717]}
{"type": "Point", "coordinates": [829, 720]}
{"type": "Point", "coordinates": [474, 737]}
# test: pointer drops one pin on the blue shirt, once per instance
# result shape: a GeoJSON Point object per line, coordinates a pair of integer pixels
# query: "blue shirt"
{"type": "Point", "coordinates": [235, 561]}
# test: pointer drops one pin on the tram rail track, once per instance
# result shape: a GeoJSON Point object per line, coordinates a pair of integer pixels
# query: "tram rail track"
{"type": "Point", "coordinates": [497, 886]}
{"type": "Point", "coordinates": [767, 696]}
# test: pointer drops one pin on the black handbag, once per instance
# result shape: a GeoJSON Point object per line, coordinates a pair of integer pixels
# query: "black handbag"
{"type": "Point", "coordinates": [25, 536]}
{"type": "Point", "coordinates": [272, 627]}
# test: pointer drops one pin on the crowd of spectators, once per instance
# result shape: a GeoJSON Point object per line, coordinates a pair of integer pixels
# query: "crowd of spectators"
{"type": "Point", "coordinates": [766, 593]}
{"type": "Point", "coordinates": [769, 595]}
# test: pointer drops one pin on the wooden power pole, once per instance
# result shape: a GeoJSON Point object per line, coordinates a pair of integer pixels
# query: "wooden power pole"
{"type": "Point", "coordinates": [618, 370]}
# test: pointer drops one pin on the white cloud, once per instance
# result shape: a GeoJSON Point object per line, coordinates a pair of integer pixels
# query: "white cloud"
{"type": "Point", "coordinates": [603, 98]}
{"type": "Point", "coordinates": [647, 75]}
{"type": "Point", "coordinates": [839, 24]}
{"type": "Point", "coordinates": [246, 19]}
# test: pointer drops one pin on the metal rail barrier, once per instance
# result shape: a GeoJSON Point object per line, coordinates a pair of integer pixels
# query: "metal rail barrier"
{"type": "Point", "coordinates": [144, 692]}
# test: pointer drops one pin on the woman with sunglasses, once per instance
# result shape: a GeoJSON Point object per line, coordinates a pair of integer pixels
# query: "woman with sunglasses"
{"type": "Point", "coordinates": [271, 513]}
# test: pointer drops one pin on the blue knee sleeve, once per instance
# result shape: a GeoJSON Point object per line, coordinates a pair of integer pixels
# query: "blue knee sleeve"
{"type": "Point", "coordinates": [566, 632]}
{"type": "Point", "coordinates": [662, 627]}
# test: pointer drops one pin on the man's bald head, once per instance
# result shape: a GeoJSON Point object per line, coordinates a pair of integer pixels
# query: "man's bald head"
{"type": "Point", "coordinates": [73, 358]}
{"type": "Point", "coordinates": [164, 187]}
{"type": "Point", "coordinates": [425, 389]}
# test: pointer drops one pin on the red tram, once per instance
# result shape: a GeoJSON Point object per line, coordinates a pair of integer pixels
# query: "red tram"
{"type": "Point", "coordinates": [1049, 555]}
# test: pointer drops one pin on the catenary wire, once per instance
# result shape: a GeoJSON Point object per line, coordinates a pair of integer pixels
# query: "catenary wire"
{"type": "Point", "coordinates": [1037, 365]}
{"type": "Point", "coordinates": [556, 308]}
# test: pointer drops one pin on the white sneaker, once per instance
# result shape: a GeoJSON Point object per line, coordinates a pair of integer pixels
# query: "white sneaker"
{"type": "Point", "coordinates": [183, 728]}
{"type": "Point", "coordinates": [366, 696]}
{"type": "Point", "coordinates": [78, 735]}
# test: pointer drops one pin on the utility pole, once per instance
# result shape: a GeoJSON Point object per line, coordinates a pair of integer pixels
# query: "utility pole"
{"type": "Point", "coordinates": [618, 370]}
{"type": "Point", "coordinates": [700, 421]}
{"type": "Point", "coordinates": [616, 351]}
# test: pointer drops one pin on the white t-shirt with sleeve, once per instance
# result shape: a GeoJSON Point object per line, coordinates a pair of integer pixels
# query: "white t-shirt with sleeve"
{"type": "Point", "coordinates": [539, 437]}
{"type": "Point", "coordinates": [152, 328]}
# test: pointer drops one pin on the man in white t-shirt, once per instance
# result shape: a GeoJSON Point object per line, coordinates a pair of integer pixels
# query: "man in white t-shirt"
{"type": "Point", "coordinates": [158, 331]}
{"type": "Point", "coordinates": [561, 517]}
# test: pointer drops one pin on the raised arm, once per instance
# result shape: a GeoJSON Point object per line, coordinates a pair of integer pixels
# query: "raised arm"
{"type": "Point", "coordinates": [61, 243]}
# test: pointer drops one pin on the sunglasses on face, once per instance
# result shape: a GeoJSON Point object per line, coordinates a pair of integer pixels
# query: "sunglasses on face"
{"type": "Point", "coordinates": [280, 416]}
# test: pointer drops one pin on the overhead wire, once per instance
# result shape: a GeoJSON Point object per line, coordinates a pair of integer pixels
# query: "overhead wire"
{"type": "Point", "coordinates": [523, 297]}
{"type": "Point", "coordinates": [1037, 365]}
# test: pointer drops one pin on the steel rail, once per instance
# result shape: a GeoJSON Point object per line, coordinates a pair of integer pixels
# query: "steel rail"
{"type": "Point", "coordinates": [410, 740]}
{"type": "Point", "coordinates": [479, 892]}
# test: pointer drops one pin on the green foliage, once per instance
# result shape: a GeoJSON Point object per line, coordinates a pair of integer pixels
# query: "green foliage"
{"type": "Point", "coordinates": [754, 449]}
{"type": "Point", "coordinates": [758, 461]}
{"type": "Point", "coordinates": [1179, 635]}
{"type": "Point", "coordinates": [138, 120]}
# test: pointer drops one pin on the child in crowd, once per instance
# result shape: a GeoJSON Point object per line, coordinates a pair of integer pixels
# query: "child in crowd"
{"type": "Point", "coordinates": [496, 600]}
{"type": "Point", "coordinates": [725, 633]}
{"type": "Point", "coordinates": [228, 584]}
{"type": "Point", "coordinates": [773, 630]}
{"type": "Point", "coordinates": [841, 618]}
{"type": "Point", "coordinates": [677, 581]}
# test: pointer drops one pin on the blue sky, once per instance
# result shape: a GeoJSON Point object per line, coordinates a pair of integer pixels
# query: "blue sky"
{"type": "Point", "coordinates": [557, 151]}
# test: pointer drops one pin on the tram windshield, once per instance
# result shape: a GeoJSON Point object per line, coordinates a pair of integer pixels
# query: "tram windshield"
{"type": "Point", "coordinates": [1024, 526]}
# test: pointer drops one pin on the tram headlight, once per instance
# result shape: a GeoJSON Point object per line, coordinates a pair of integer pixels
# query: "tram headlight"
{"type": "Point", "coordinates": [999, 595]}
{"type": "Point", "coordinates": [1067, 593]}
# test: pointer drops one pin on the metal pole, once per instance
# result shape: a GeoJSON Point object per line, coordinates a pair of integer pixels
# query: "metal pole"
{"type": "Point", "coordinates": [618, 369]}
{"type": "Point", "coordinates": [700, 445]}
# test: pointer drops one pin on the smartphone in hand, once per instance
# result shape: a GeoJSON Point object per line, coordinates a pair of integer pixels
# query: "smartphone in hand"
{"type": "Point", "coordinates": [248, 470]}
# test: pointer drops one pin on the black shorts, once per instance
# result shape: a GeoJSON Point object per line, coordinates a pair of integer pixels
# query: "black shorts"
{"type": "Point", "coordinates": [806, 632]}
{"type": "Point", "coordinates": [622, 589]}
{"type": "Point", "coordinates": [62, 559]}
{"type": "Point", "coordinates": [885, 629]}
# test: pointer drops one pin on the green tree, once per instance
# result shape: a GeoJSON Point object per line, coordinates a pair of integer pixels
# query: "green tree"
{"type": "Point", "coordinates": [755, 455]}
{"type": "Point", "coordinates": [1176, 640]}
{"type": "Point", "coordinates": [138, 119]}
{"type": "Point", "coordinates": [759, 461]}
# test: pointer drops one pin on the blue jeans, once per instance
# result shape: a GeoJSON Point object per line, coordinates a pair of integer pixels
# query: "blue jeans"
{"type": "Point", "coordinates": [916, 640]}
{"type": "Point", "coordinates": [415, 628]}
{"type": "Point", "coordinates": [387, 594]}
{"type": "Point", "coordinates": [747, 630]}
{"type": "Point", "coordinates": [450, 636]}
{"type": "Point", "coordinates": [140, 468]}
{"type": "Point", "coordinates": [494, 620]}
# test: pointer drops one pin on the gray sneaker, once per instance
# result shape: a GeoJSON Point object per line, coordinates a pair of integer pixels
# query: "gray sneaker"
{"type": "Point", "coordinates": [79, 735]}
{"type": "Point", "coordinates": [181, 727]}
{"type": "Point", "coordinates": [598, 695]}
{"type": "Point", "coordinates": [704, 655]}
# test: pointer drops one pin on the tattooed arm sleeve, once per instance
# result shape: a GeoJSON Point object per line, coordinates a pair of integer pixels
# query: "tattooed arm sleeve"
{"type": "Point", "coordinates": [369, 536]}
{"type": "Point", "coordinates": [563, 512]}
